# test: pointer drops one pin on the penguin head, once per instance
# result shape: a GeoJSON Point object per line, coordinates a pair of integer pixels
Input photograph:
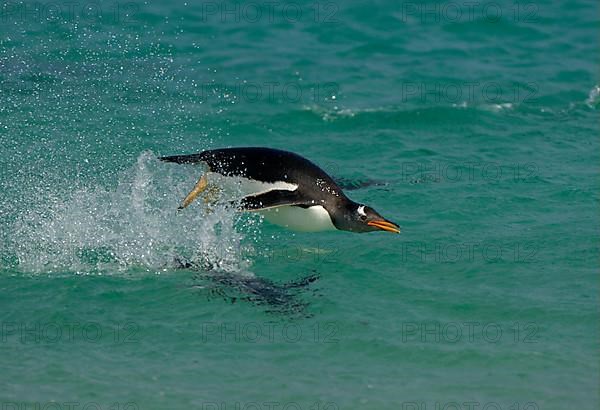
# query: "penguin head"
{"type": "Point", "coordinates": [362, 218]}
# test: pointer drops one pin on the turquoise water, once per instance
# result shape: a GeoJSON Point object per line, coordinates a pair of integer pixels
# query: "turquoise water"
{"type": "Point", "coordinates": [474, 127]}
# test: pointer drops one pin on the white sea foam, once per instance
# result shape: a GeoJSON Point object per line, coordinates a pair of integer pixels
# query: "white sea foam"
{"type": "Point", "coordinates": [497, 107]}
{"type": "Point", "coordinates": [593, 97]}
{"type": "Point", "coordinates": [333, 113]}
{"type": "Point", "coordinates": [133, 225]}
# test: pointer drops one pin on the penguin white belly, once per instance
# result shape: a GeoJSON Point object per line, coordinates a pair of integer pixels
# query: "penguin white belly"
{"type": "Point", "coordinates": [313, 219]}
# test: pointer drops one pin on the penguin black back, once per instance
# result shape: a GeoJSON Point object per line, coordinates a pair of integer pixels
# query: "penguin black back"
{"type": "Point", "coordinates": [267, 165]}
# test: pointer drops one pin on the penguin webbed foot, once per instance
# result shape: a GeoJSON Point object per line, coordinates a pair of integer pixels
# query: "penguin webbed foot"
{"type": "Point", "coordinates": [200, 187]}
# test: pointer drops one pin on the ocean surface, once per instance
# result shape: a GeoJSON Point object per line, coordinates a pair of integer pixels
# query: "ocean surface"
{"type": "Point", "coordinates": [474, 126]}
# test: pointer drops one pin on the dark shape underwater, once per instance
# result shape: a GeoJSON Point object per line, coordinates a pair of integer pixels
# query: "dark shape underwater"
{"type": "Point", "coordinates": [278, 298]}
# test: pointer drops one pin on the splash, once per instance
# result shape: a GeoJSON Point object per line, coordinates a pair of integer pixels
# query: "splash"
{"type": "Point", "coordinates": [593, 97]}
{"type": "Point", "coordinates": [134, 225]}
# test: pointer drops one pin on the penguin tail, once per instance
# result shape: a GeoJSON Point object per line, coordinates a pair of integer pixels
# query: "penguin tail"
{"type": "Point", "coordinates": [183, 159]}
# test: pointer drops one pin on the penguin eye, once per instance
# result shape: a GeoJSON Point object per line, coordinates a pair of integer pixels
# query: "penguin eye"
{"type": "Point", "coordinates": [361, 212]}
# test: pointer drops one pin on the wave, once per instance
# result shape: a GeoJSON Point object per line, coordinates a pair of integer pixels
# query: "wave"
{"type": "Point", "coordinates": [593, 97]}
{"type": "Point", "coordinates": [409, 113]}
{"type": "Point", "coordinates": [552, 104]}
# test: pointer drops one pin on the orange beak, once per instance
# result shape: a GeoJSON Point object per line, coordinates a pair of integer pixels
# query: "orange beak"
{"type": "Point", "coordinates": [385, 225]}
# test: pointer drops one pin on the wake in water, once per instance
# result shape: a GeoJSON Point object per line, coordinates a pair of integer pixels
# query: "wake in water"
{"type": "Point", "coordinates": [136, 227]}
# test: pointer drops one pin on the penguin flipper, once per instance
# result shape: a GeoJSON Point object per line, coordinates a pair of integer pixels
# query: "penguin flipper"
{"type": "Point", "coordinates": [271, 199]}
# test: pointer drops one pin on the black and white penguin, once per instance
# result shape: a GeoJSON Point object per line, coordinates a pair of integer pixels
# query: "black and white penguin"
{"type": "Point", "coordinates": [288, 189]}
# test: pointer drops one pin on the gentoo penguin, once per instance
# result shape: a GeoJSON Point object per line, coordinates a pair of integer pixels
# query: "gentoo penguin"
{"type": "Point", "coordinates": [288, 189]}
